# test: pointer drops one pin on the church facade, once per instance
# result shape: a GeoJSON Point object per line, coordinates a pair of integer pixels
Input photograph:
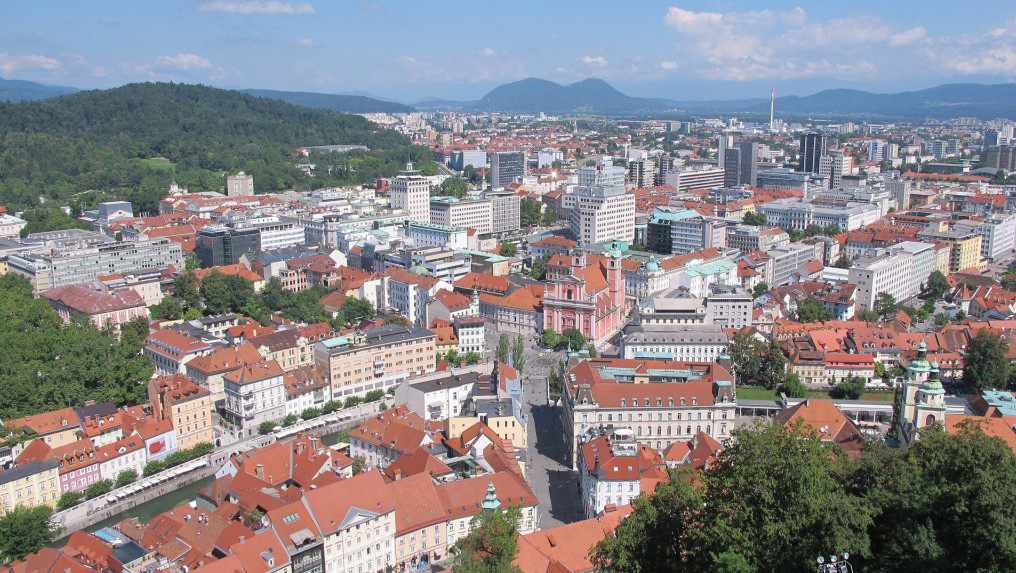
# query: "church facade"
{"type": "Point", "coordinates": [591, 298]}
{"type": "Point", "coordinates": [923, 398]}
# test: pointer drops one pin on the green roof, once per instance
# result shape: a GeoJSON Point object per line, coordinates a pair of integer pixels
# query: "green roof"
{"type": "Point", "coordinates": [337, 341]}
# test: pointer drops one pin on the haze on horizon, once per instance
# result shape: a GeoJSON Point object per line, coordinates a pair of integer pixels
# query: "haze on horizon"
{"type": "Point", "coordinates": [406, 50]}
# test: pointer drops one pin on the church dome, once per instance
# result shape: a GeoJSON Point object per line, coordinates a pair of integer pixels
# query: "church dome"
{"type": "Point", "coordinates": [418, 270]}
{"type": "Point", "coordinates": [652, 266]}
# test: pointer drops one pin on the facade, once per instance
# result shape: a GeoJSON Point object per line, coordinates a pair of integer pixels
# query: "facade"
{"type": "Point", "coordinates": [505, 166]}
{"type": "Point", "coordinates": [254, 394]}
{"type": "Point", "coordinates": [436, 235]}
{"type": "Point", "coordinates": [240, 185]}
{"type": "Point", "coordinates": [612, 470]}
{"type": "Point", "coordinates": [411, 193]}
{"type": "Point", "coordinates": [813, 148]}
{"type": "Point", "coordinates": [729, 306]}
{"type": "Point", "coordinates": [82, 265]}
{"type": "Point", "coordinates": [187, 405]}
{"type": "Point", "coordinates": [217, 245]}
{"type": "Point", "coordinates": [124, 455]}
{"type": "Point", "coordinates": [81, 301]}
{"type": "Point", "coordinates": [601, 214]}
{"type": "Point", "coordinates": [29, 484]}
{"type": "Point", "coordinates": [506, 212]}
{"type": "Point", "coordinates": [690, 342]}
{"type": "Point", "coordinates": [471, 332]}
{"type": "Point", "coordinates": [305, 388]}
{"type": "Point", "coordinates": [437, 398]}
{"type": "Point", "coordinates": [684, 232]}
{"type": "Point", "coordinates": [378, 358]}
{"type": "Point", "coordinates": [172, 349]}
{"type": "Point", "coordinates": [798, 214]}
{"type": "Point", "coordinates": [476, 214]}
{"type": "Point", "coordinates": [787, 259]}
{"type": "Point", "coordinates": [659, 401]}
{"type": "Point", "coordinates": [10, 226]}
{"type": "Point", "coordinates": [591, 299]}
{"type": "Point", "coordinates": [359, 533]}
{"type": "Point", "coordinates": [459, 159]}
{"type": "Point", "coordinates": [747, 238]}
{"type": "Point", "coordinates": [892, 274]}
{"type": "Point", "coordinates": [702, 177]}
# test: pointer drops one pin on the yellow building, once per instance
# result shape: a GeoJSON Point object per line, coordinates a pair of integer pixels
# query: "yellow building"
{"type": "Point", "coordinates": [377, 359]}
{"type": "Point", "coordinates": [964, 247]}
{"type": "Point", "coordinates": [504, 424]}
{"type": "Point", "coordinates": [187, 405]}
{"type": "Point", "coordinates": [56, 428]}
{"type": "Point", "coordinates": [31, 484]}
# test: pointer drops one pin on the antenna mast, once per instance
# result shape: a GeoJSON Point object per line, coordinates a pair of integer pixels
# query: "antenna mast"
{"type": "Point", "coordinates": [772, 105]}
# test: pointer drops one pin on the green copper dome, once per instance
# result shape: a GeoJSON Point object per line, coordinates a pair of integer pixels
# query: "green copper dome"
{"type": "Point", "coordinates": [652, 266]}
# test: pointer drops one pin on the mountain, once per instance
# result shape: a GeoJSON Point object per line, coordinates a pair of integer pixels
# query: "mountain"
{"type": "Point", "coordinates": [96, 145]}
{"type": "Point", "coordinates": [592, 95]}
{"type": "Point", "coordinates": [21, 90]}
{"type": "Point", "coordinates": [941, 102]}
{"type": "Point", "coordinates": [333, 102]}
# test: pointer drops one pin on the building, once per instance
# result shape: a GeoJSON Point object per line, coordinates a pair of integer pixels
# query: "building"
{"type": "Point", "coordinates": [602, 212]}
{"type": "Point", "coordinates": [29, 484]}
{"type": "Point", "coordinates": [436, 235]}
{"type": "Point", "coordinates": [893, 274]}
{"type": "Point", "coordinates": [661, 341]}
{"type": "Point", "coordinates": [797, 214]}
{"type": "Point", "coordinates": [590, 299]}
{"type": "Point", "coordinates": [410, 192]}
{"type": "Point", "coordinates": [172, 349]}
{"type": "Point", "coordinates": [615, 469]}
{"type": "Point", "coordinates": [785, 260]}
{"type": "Point", "coordinates": [208, 370]}
{"type": "Point", "coordinates": [437, 397]}
{"type": "Point", "coordinates": [187, 405]}
{"type": "Point", "coordinates": [659, 401]}
{"type": "Point", "coordinates": [964, 246]}
{"type": "Point", "coordinates": [255, 393]}
{"type": "Point", "coordinates": [747, 238]}
{"type": "Point", "coordinates": [813, 148]}
{"type": "Point", "coordinates": [305, 388]}
{"type": "Point", "coordinates": [459, 159]}
{"type": "Point", "coordinates": [10, 226]}
{"type": "Point", "coordinates": [729, 306]}
{"type": "Point", "coordinates": [696, 177]}
{"type": "Point", "coordinates": [81, 264]}
{"type": "Point", "coordinates": [684, 232]}
{"type": "Point", "coordinates": [505, 167]}
{"type": "Point", "coordinates": [923, 397]}
{"type": "Point", "coordinates": [740, 165]}
{"type": "Point", "coordinates": [74, 302]}
{"type": "Point", "coordinates": [217, 245]}
{"type": "Point", "coordinates": [476, 214]}
{"type": "Point", "coordinates": [376, 359]}
{"type": "Point", "coordinates": [506, 213]}
{"type": "Point", "coordinates": [240, 185]}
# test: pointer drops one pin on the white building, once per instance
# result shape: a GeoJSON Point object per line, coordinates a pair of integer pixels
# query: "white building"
{"type": "Point", "coordinates": [689, 342]}
{"type": "Point", "coordinates": [603, 213]}
{"type": "Point", "coordinates": [441, 395]}
{"type": "Point", "coordinates": [471, 332]}
{"type": "Point", "coordinates": [411, 193]}
{"type": "Point", "coordinates": [798, 214]}
{"type": "Point", "coordinates": [612, 469]}
{"type": "Point", "coordinates": [357, 520]}
{"type": "Point", "coordinates": [255, 393]}
{"type": "Point", "coordinates": [893, 274]}
{"type": "Point", "coordinates": [436, 235]}
{"type": "Point", "coordinates": [10, 226]}
{"type": "Point", "coordinates": [476, 214]}
{"type": "Point", "coordinates": [122, 455]}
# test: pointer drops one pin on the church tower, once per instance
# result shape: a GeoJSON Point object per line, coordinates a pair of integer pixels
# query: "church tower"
{"type": "Point", "coordinates": [923, 397]}
{"type": "Point", "coordinates": [930, 407]}
{"type": "Point", "coordinates": [917, 372]}
{"type": "Point", "coordinates": [578, 261]}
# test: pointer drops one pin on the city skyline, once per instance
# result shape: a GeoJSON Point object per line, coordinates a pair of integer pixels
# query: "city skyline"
{"type": "Point", "coordinates": [407, 51]}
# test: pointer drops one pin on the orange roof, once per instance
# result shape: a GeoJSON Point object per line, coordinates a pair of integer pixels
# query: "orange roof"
{"type": "Point", "coordinates": [417, 504]}
{"type": "Point", "coordinates": [225, 359]}
{"type": "Point", "coordinates": [46, 422]}
{"type": "Point", "coordinates": [567, 545]}
{"type": "Point", "coordinates": [249, 373]}
{"type": "Point", "coordinates": [999, 427]}
{"type": "Point", "coordinates": [335, 503]}
{"type": "Point", "coordinates": [823, 417]}
{"type": "Point", "coordinates": [237, 270]}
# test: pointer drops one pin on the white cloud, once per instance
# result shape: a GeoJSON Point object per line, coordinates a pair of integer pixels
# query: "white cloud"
{"type": "Point", "coordinates": [595, 61]}
{"type": "Point", "coordinates": [185, 62]}
{"type": "Point", "coordinates": [14, 62]}
{"type": "Point", "coordinates": [305, 42]}
{"type": "Point", "coordinates": [489, 52]}
{"type": "Point", "coordinates": [908, 37]}
{"type": "Point", "coordinates": [668, 65]}
{"type": "Point", "coordinates": [255, 7]}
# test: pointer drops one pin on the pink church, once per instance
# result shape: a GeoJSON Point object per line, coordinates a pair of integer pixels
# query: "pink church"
{"type": "Point", "coordinates": [590, 299]}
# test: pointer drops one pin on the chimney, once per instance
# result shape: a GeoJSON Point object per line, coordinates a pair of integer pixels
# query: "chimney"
{"type": "Point", "coordinates": [300, 447]}
{"type": "Point", "coordinates": [259, 471]}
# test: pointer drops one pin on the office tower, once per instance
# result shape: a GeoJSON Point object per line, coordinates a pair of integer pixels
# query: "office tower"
{"type": "Point", "coordinates": [411, 193]}
{"type": "Point", "coordinates": [603, 209]}
{"type": "Point", "coordinates": [723, 143]}
{"type": "Point", "coordinates": [640, 172]}
{"type": "Point", "coordinates": [813, 148]}
{"type": "Point", "coordinates": [731, 167]}
{"type": "Point", "coordinates": [990, 138]}
{"type": "Point", "coordinates": [505, 166]}
{"type": "Point", "coordinates": [740, 165]}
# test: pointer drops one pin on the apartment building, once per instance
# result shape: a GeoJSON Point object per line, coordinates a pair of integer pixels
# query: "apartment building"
{"type": "Point", "coordinates": [357, 520]}
{"type": "Point", "coordinates": [893, 274]}
{"type": "Point", "coordinates": [612, 469]}
{"type": "Point", "coordinates": [410, 192]}
{"type": "Point", "coordinates": [378, 358]}
{"type": "Point", "coordinates": [476, 214]}
{"type": "Point", "coordinates": [798, 214]}
{"type": "Point", "coordinates": [684, 232]}
{"type": "Point", "coordinates": [506, 212]}
{"type": "Point", "coordinates": [255, 393]}
{"type": "Point", "coordinates": [172, 349]}
{"type": "Point", "coordinates": [187, 405]}
{"type": "Point", "coordinates": [96, 307]}
{"type": "Point", "coordinates": [749, 238]}
{"type": "Point", "coordinates": [505, 167]}
{"type": "Point", "coordinates": [29, 484]}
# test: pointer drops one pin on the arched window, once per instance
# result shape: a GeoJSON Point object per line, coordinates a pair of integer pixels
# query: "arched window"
{"type": "Point", "coordinates": [639, 430]}
{"type": "Point", "coordinates": [659, 430]}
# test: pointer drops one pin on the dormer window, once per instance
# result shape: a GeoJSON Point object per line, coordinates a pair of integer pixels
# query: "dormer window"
{"type": "Point", "coordinates": [682, 401]}
{"type": "Point", "coordinates": [622, 402]}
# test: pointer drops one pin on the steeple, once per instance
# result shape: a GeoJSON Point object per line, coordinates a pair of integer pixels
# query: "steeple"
{"type": "Point", "coordinates": [491, 502]}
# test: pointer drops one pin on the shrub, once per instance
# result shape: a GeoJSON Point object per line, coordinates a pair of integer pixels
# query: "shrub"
{"type": "Point", "coordinates": [126, 477]}
{"type": "Point", "coordinates": [310, 413]}
{"type": "Point", "coordinates": [98, 488]}
{"type": "Point", "coordinates": [153, 467]}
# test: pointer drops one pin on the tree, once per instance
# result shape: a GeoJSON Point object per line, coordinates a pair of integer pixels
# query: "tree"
{"type": "Point", "coordinates": [519, 354]}
{"type": "Point", "coordinates": [572, 338]}
{"type": "Point", "coordinates": [126, 477]}
{"type": "Point", "coordinates": [530, 212]}
{"type": "Point", "coordinates": [25, 530]}
{"type": "Point", "coordinates": [938, 285]}
{"type": "Point", "coordinates": [984, 363]}
{"type": "Point", "coordinates": [359, 463]}
{"type": "Point", "coordinates": [811, 310]}
{"type": "Point", "coordinates": [549, 216]}
{"type": "Point", "coordinates": [492, 544]}
{"type": "Point", "coordinates": [756, 219]}
{"type": "Point", "coordinates": [397, 319]}
{"type": "Point", "coordinates": [759, 290]}
{"type": "Point", "coordinates": [885, 305]}
{"type": "Point", "coordinates": [472, 358]}
{"type": "Point", "coordinates": [868, 315]}
{"type": "Point", "coordinates": [850, 389]}
{"type": "Point", "coordinates": [509, 250]}
{"type": "Point", "coordinates": [352, 401]}
{"type": "Point", "coordinates": [354, 309]}
{"type": "Point", "coordinates": [266, 427]}
{"type": "Point", "coordinates": [773, 368]}
{"type": "Point", "coordinates": [331, 406]}
{"type": "Point", "coordinates": [68, 499]}
{"type": "Point", "coordinates": [539, 270]}
{"type": "Point", "coordinates": [503, 348]}
{"type": "Point", "coordinates": [843, 262]}
{"type": "Point", "coordinates": [454, 187]}
{"type": "Point", "coordinates": [374, 395]}
{"type": "Point", "coordinates": [549, 338]}
{"type": "Point", "coordinates": [215, 293]}
{"type": "Point", "coordinates": [99, 488]}
{"type": "Point", "coordinates": [793, 387]}
{"type": "Point", "coordinates": [731, 563]}
{"type": "Point", "coordinates": [153, 467]}
{"type": "Point", "coordinates": [310, 413]}
{"type": "Point", "coordinates": [290, 419]}
{"type": "Point", "coordinates": [654, 537]}
{"type": "Point", "coordinates": [452, 358]}
{"type": "Point", "coordinates": [941, 319]}
{"type": "Point", "coordinates": [746, 354]}
{"type": "Point", "coordinates": [191, 262]}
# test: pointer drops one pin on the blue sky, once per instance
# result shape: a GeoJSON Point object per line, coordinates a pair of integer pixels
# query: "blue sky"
{"type": "Point", "coordinates": [453, 49]}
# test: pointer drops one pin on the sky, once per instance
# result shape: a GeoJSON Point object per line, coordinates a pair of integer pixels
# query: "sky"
{"type": "Point", "coordinates": [411, 49]}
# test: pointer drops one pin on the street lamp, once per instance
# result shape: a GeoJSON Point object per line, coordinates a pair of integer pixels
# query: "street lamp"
{"type": "Point", "coordinates": [836, 564]}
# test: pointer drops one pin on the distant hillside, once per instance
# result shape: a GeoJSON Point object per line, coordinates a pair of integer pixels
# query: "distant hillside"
{"type": "Point", "coordinates": [341, 103]}
{"type": "Point", "coordinates": [940, 102]}
{"type": "Point", "coordinates": [591, 96]}
{"type": "Point", "coordinates": [92, 145]}
{"type": "Point", "coordinates": [21, 90]}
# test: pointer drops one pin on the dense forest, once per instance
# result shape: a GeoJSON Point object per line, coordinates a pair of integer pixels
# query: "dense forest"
{"type": "Point", "coordinates": [48, 364]}
{"type": "Point", "coordinates": [131, 142]}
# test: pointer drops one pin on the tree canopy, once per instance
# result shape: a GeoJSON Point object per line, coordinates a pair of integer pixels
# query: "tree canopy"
{"type": "Point", "coordinates": [492, 544]}
{"type": "Point", "coordinates": [811, 310]}
{"type": "Point", "coordinates": [24, 531]}
{"type": "Point", "coordinates": [984, 363]}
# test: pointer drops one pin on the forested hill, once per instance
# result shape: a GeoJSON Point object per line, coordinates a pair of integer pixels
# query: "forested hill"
{"type": "Point", "coordinates": [334, 102]}
{"type": "Point", "coordinates": [100, 141]}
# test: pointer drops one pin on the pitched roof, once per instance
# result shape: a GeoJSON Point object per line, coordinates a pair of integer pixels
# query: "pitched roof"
{"type": "Point", "coordinates": [335, 504]}
{"type": "Point", "coordinates": [825, 418]}
{"type": "Point", "coordinates": [90, 301]}
{"type": "Point", "coordinates": [567, 545]}
{"type": "Point", "coordinates": [225, 359]}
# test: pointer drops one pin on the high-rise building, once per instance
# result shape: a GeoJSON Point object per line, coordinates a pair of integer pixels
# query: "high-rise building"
{"type": "Point", "coordinates": [731, 167]}
{"type": "Point", "coordinates": [640, 172]}
{"type": "Point", "coordinates": [832, 167]}
{"type": "Point", "coordinates": [460, 159]}
{"type": "Point", "coordinates": [411, 193]}
{"type": "Point", "coordinates": [740, 164]}
{"type": "Point", "coordinates": [664, 164]}
{"type": "Point", "coordinates": [465, 213]}
{"type": "Point", "coordinates": [813, 148]}
{"type": "Point", "coordinates": [603, 209]}
{"type": "Point", "coordinates": [990, 138]}
{"type": "Point", "coordinates": [506, 212]}
{"type": "Point", "coordinates": [723, 143]}
{"type": "Point", "coordinates": [217, 245]}
{"type": "Point", "coordinates": [505, 166]}
{"type": "Point", "coordinates": [240, 185]}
